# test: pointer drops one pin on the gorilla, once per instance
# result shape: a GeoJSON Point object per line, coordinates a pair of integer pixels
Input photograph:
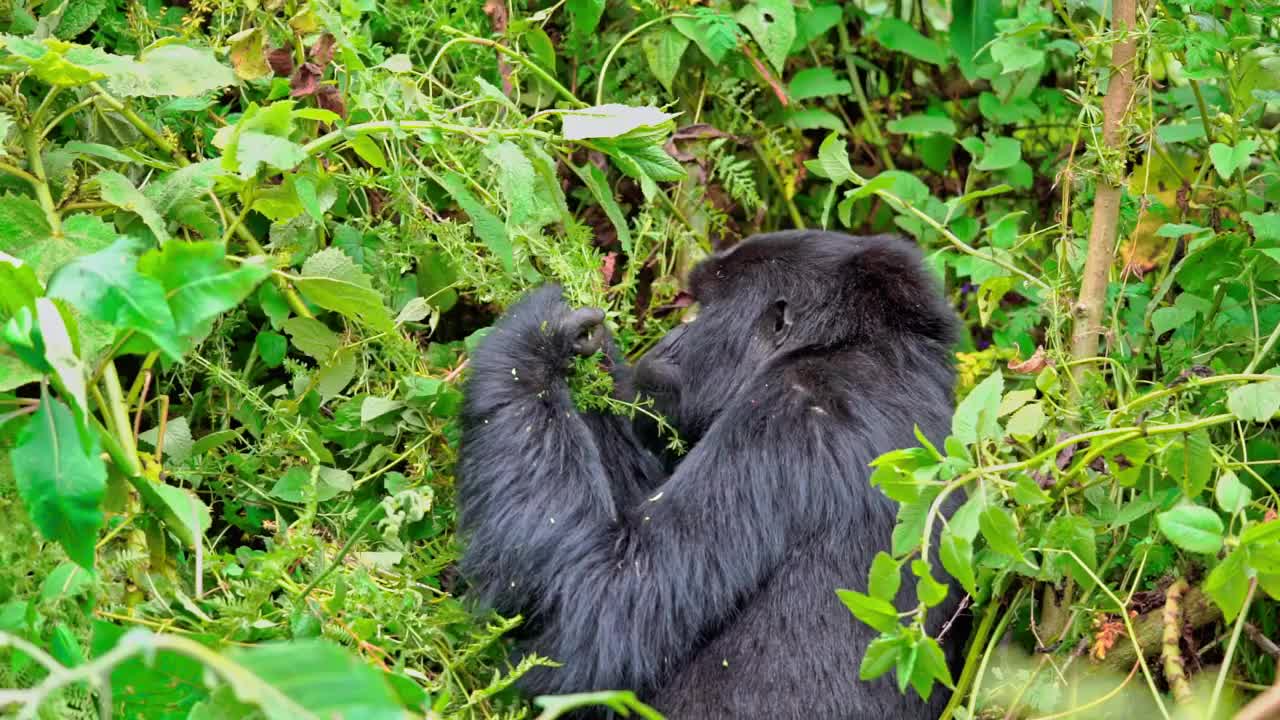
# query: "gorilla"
{"type": "Point", "coordinates": [710, 589]}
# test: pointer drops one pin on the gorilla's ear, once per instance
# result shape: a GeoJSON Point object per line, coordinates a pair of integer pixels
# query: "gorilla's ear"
{"type": "Point", "coordinates": [888, 285]}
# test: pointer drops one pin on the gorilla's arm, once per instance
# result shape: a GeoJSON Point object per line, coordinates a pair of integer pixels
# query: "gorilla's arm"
{"type": "Point", "coordinates": [621, 593]}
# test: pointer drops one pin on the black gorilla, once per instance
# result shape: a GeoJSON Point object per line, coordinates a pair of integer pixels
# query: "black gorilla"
{"type": "Point", "coordinates": [711, 590]}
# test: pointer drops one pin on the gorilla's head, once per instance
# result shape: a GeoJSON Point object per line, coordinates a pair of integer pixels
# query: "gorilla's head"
{"type": "Point", "coordinates": [791, 293]}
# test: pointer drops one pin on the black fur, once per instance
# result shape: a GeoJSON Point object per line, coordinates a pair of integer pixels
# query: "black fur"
{"type": "Point", "coordinates": [711, 590]}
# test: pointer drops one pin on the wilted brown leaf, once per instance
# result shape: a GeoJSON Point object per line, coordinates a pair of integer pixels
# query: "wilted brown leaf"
{"type": "Point", "coordinates": [329, 98]}
{"type": "Point", "coordinates": [281, 62]}
{"type": "Point", "coordinates": [306, 81]}
{"type": "Point", "coordinates": [322, 52]}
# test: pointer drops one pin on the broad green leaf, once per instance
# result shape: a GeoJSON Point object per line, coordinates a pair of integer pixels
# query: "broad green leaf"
{"type": "Point", "coordinates": [436, 278]}
{"type": "Point", "coordinates": [1228, 584]}
{"type": "Point", "coordinates": [312, 337]}
{"type": "Point", "coordinates": [117, 190]}
{"type": "Point", "coordinates": [815, 119]}
{"type": "Point", "coordinates": [872, 611]}
{"type": "Point", "coordinates": [621, 702]}
{"type": "Point", "coordinates": [715, 33]}
{"type": "Point", "coordinates": [973, 25]}
{"type": "Point", "coordinates": [106, 286]}
{"type": "Point", "coordinates": [294, 486]}
{"type": "Point", "coordinates": [1231, 494]}
{"type": "Point", "coordinates": [61, 481]}
{"type": "Point", "coordinates": [773, 25]}
{"type": "Point", "coordinates": [928, 589]}
{"type": "Point", "coordinates": [199, 282]}
{"type": "Point", "coordinates": [368, 151]}
{"type": "Point", "coordinates": [885, 577]}
{"type": "Point", "coordinates": [177, 439]}
{"type": "Point", "coordinates": [1193, 528]}
{"type": "Point", "coordinates": [271, 347]}
{"type": "Point", "coordinates": [881, 656]}
{"type": "Point", "coordinates": [1189, 461]}
{"type": "Point", "coordinates": [1027, 422]}
{"type": "Point", "coordinates": [975, 416]}
{"type": "Point", "coordinates": [611, 121]}
{"type": "Point", "coordinates": [1266, 226]}
{"type": "Point", "coordinates": [334, 263]}
{"type": "Point", "coordinates": [922, 125]}
{"type": "Point", "coordinates": [491, 231]}
{"type": "Point", "coordinates": [256, 149]}
{"type": "Point", "coordinates": [25, 234]}
{"type": "Point", "coordinates": [933, 663]}
{"type": "Point", "coordinates": [585, 15]}
{"type": "Point", "coordinates": [1014, 54]}
{"type": "Point", "coordinates": [80, 15]}
{"type": "Point", "coordinates": [1256, 402]}
{"type": "Point", "coordinates": [897, 35]}
{"type": "Point", "coordinates": [60, 63]}
{"type": "Point", "coordinates": [1074, 533]}
{"type": "Point", "coordinates": [60, 353]}
{"type": "Point", "coordinates": [334, 377]}
{"type": "Point", "coordinates": [357, 303]}
{"type": "Point", "coordinates": [1000, 532]}
{"type": "Point", "coordinates": [19, 286]}
{"type": "Point", "coordinates": [956, 554]}
{"type": "Point", "coordinates": [182, 507]}
{"type": "Point", "coordinates": [98, 150]}
{"type": "Point", "coordinates": [596, 182]}
{"type": "Point", "coordinates": [1177, 230]}
{"type": "Point", "coordinates": [1228, 160]}
{"type": "Point", "coordinates": [1028, 493]}
{"type": "Point", "coordinates": [314, 678]}
{"type": "Point", "coordinates": [517, 180]}
{"type": "Point", "coordinates": [249, 54]}
{"type": "Point", "coordinates": [817, 82]}
{"type": "Point", "coordinates": [833, 160]}
{"type": "Point", "coordinates": [170, 70]}
{"type": "Point", "coordinates": [66, 582]}
{"type": "Point", "coordinates": [664, 48]}
{"type": "Point", "coordinates": [999, 153]}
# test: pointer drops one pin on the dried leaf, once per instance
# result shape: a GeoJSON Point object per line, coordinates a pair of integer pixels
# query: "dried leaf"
{"type": "Point", "coordinates": [306, 81]}
{"type": "Point", "coordinates": [281, 61]}
{"type": "Point", "coordinates": [322, 52]}
{"type": "Point", "coordinates": [329, 98]}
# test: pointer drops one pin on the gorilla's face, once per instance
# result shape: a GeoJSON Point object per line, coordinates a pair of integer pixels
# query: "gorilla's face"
{"type": "Point", "coordinates": [782, 293]}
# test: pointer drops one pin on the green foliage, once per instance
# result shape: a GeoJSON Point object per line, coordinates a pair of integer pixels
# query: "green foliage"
{"type": "Point", "coordinates": [248, 247]}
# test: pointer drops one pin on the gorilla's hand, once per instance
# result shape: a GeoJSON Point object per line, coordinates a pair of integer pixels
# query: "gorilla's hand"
{"type": "Point", "coordinates": [584, 329]}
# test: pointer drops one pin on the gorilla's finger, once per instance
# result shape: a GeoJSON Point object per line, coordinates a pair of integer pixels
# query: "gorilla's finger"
{"type": "Point", "coordinates": [585, 328]}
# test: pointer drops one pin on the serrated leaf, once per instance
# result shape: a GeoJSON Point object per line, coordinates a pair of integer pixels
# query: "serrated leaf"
{"type": "Point", "coordinates": [975, 416]}
{"type": "Point", "coordinates": [60, 479]}
{"type": "Point", "coordinates": [117, 190]}
{"type": "Point", "coordinates": [956, 554]}
{"type": "Point", "coordinates": [517, 180]}
{"type": "Point", "coordinates": [375, 407]}
{"type": "Point", "coordinates": [358, 303]}
{"type": "Point", "coordinates": [773, 25]}
{"type": "Point", "coordinates": [334, 263]}
{"type": "Point", "coordinates": [312, 337]}
{"type": "Point", "coordinates": [1193, 528]}
{"type": "Point", "coordinates": [170, 70]}
{"type": "Point", "coordinates": [880, 657]}
{"type": "Point", "coordinates": [177, 439]}
{"type": "Point", "coordinates": [491, 231]}
{"type": "Point", "coordinates": [256, 149]}
{"type": "Point", "coordinates": [107, 287]}
{"type": "Point", "coordinates": [1256, 402]}
{"type": "Point", "coordinates": [898, 36]}
{"type": "Point", "coordinates": [885, 577]}
{"type": "Point", "coordinates": [312, 678]}
{"type": "Point", "coordinates": [60, 352]}
{"type": "Point", "coordinates": [664, 49]}
{"type": "Point", "coordinates": [1027, 422]}
{"type": "Point", "coordinates": [1266, 226]}
{"type": "Point", "coordinates": [199, 283]}
{"type": "Point", "coordinates": [714, 32]}
{"type": "Point", "coordinates": [872, 611]}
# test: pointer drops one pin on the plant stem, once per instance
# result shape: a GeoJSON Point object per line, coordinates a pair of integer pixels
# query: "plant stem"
{"type": "Point", "coordinates": [1264, 351]}
{"type": "Point", "coordinates": [41, 184]}
{"type": "Point", "coordinates": [120, 415]}
{"type": "Point", "coordinates": [324, 142]}
{"type": "Point", "coordinates": [503, 49]}
{"type": "Point", "coordinates": [1174, 669]}
{"type": "Point", "coordinates": [977, 643]}
{"type": "Point", "coordinates": [1092, 300]}
{"type": "Point", "coordinates": [20, 174]}
{"type": "Point", "coordinates": [141, 125]}
{"type": "Point", "coordinates": [604, 69]}
{"type": "Point", "coordinates": [1231, 649]}
{"type": "Point", "coordinates": [342, 552]}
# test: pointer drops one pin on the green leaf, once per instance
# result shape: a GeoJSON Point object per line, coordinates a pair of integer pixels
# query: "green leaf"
{"type": "Point", "coordinates": [368, 151]}
{"type": "Point", "coordinates": [898, 36]}
{"type": "Point", "coordinates": [1027, 422]}
{"type": "Point", "coordinates": [872, 611]}
{"type": "Point", "coordinates": [19, 286]}
{"type": "Point", "coordinates": [885, 577]}
{"type": "Point", "coordinates": [817, 82]}
{"type": "Point", "coordinates": [117, 190]}
{"type": "Point", "coordinates": [1227, 160]}
{"type": "Point", "coordinates": [312, 678]}
{"type": "Point", "coordinates": [177, 439]}
{"type": "Point", "coordinates": [880, 657]}
{"type": "Point", "coordinates": [596, 182]}
{"type": "Point", "coordinates": [107, 287]}
{"type": "Point", "coordinates": [1190, 462]}
{"type": "Point", "coordinates": [60, 353]}
{"type": "Point", "coordinates": [1000, 532]}
{"type": "Point", "coordinates": [312, 338]}
{"type": "Point", "coordinates": [973, 25]}
{"type": "Point", "coordinates": [773, 25]}
{"type": "Point", "coordinates": [170, 70]}
{"type": "Point", "coordinates": [928, 589]}
{"type": "Point", "coordinates": [975, 416]}
{"type": "Point", "coordinates": [664, 49]}
{"type": "Point", "coordinates": [956, 554]}
{"type": "Point", "coordinates": [622, 702]}
{"type": "Point", "coordinates": [255, 149]}
{"type": "Point", "coordinates": [80, 15]}
{"type": "Point", "coordinates": [182, 507]}
{"type": "Point", "coordinates": [1014, 54]}
{"type": "Point", "coordinates": [1228, 584]}
{"type": "Point", "coordinates": [932, 662]}
{"type": "Point", "coordinates": [1028, 493]}
{"type": "Point", "coordinates": [1193, 528]}
{"type": "Point", "coordinates": [1265, 226]}
{"type": "Point", "coordinates": [517, 180]}
{"type": "Point", "coordinates": [1256, 402]}
{"type": "Point", "coordinates": [199, 282]}
{"type": "Point", "coordinates": [67, 581]}
{"type": "Point", "coordinates": [922, 125]}
{"type": "Point", "coordinates": [815, 119]}
{"type": "Point", "coordinates": [833, 160]}
{"type": "Point", "coordinates": [491, 231]}
{"type": "Point", "coordinates": [334, 377]}
{"type": "Point", "coordinates": [714, 32]}
{"type": "Point", "coordinates": [1231, 494]}
{"type": "Point", "coordinates": [271, 347]}
{"type": "Point", "coordinates": [999, 153]}
{"type": "Point", "coordinates": [294, 486]}
{"type": "Point", "coordinates": [61, 479]}
{"type": "Point", "coordinates": [585, 15]}
{"type": "Point", "coordinates": [361, 304]}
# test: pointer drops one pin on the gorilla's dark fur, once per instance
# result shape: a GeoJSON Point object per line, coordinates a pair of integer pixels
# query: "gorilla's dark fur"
{"type": "Point", "coordinates": [710, 590]}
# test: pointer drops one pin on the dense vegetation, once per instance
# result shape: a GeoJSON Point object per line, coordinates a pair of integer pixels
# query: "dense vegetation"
{"type": "Point", "coordinates": [247, 247]}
